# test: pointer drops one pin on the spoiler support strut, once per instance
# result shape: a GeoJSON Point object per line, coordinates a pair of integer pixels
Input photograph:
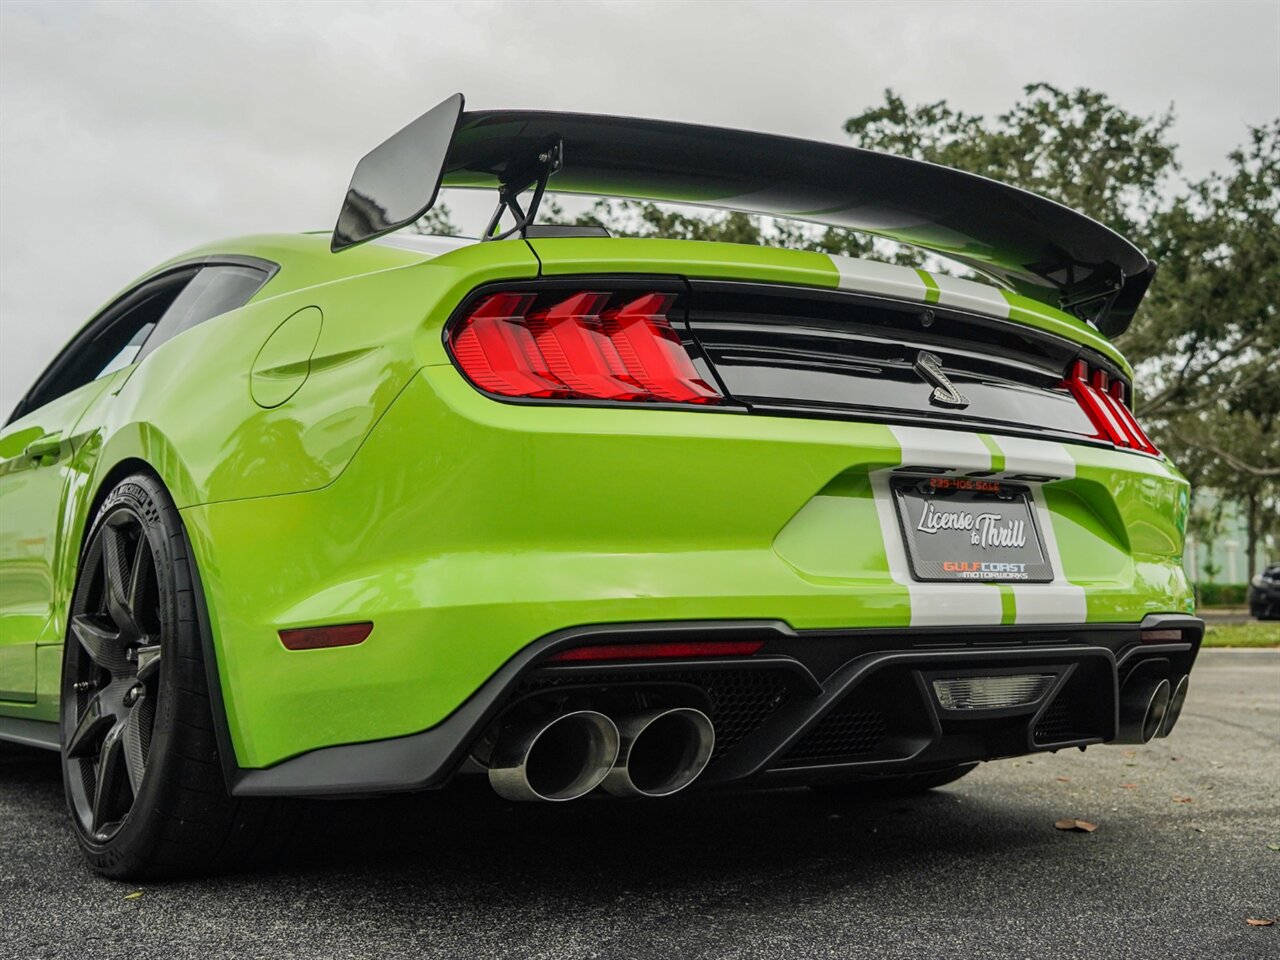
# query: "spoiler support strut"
{"type": "Point", "coordinates": [534, 173]}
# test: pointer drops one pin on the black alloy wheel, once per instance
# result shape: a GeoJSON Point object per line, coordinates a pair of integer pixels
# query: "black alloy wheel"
{"type": "Point", "coordinates": [141, 764]}
{"type": "Point", "coordinates": [112, 677]}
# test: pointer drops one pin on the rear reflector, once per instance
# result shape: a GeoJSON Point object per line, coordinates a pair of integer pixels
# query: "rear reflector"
{"type": "Point", "coordinates": [1104, 404]}
{"type": "Point", "coordinates": [315, 638]}
{"type": "Point", "coordinates": [659, 651]}
{"type": "Point", "coordinates": [577, 346]}
{"type": "Point", "coordinates": [1161, 636]}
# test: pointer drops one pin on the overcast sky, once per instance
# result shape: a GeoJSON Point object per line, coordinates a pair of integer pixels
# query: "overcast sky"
{"type": "Point", "coordinates": [131, 131]}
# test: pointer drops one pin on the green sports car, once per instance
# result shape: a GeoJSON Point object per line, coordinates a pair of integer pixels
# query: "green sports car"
{"type": "Point", "coordinates": [365, 511]}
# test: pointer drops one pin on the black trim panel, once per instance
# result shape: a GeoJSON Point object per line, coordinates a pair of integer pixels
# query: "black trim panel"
{"type": "Point", "coordinates": [43, 734]}
{"type": "Point", "coordinates": [787, 731]}
{"type": "Point", "coordinates": [217, 705]}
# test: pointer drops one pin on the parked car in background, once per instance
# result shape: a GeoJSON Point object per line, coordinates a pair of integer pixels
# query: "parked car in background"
{"type": "Point", "coordinates": [1264, 594]}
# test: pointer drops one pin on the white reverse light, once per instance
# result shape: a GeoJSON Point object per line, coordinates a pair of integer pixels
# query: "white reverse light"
{"type": "Point", "coordinates": [991, 693]}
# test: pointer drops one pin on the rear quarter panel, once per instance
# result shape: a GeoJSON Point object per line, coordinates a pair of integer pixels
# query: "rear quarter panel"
{"type": "Point", "coordinates": [187, 412]}
{"type": "Point", "coordinates": [188, 409]}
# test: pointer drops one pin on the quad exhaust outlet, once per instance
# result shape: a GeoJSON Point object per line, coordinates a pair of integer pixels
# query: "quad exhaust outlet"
{"type": "Point", "coordinates": [558, 759]}
{"type": "Point", "coordinates": [1174, 710]}
{"type": "Point", "coordinates": [651, 754]}
{"type": "Point", "coordinates": [1144, 706]}
{"type": "Point", "coordinates": [662, 752]}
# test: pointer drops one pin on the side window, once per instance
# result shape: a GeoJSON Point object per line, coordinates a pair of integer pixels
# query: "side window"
{"type": "Point", "coordinates": [112, 340]}
{"type": "Point", "coordinates": [128, 353]}
{"type": "Point", "coordinates": [215, 290]}
{"type": "Point", "coordinates": [140, 321]}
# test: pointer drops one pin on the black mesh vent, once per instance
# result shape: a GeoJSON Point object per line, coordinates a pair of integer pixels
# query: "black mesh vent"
{"type": "Point", "coordinates": [1057, 722]}
{"type": "Point", "coordinates": [1074, 714]}
{"type": "Point", "coordinates": [739, 701]}
{"type": "Point", "coordinates": [842, 734]}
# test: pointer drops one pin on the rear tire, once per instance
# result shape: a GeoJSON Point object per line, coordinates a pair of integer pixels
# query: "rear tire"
{"type": "Point", "coordinates": [904, 785]}
{"type": "Point", "coordinates": [140, 762]}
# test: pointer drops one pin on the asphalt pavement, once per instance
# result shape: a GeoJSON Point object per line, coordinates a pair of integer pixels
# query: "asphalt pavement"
{"type": "Point", "coordinates": [1184, 851]}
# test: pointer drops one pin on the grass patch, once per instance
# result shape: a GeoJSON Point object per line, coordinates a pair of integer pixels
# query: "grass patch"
{"type": "Point", "coordinates": [1242, 635]}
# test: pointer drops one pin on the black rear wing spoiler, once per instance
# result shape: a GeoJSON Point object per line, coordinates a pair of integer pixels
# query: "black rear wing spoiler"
{"type": "Point", "coordinates": [1032, 245]}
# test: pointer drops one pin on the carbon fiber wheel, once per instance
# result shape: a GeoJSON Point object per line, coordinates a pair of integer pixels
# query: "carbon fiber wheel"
{"type": "Point", "coordinates": [140, 761]}
{"type": "Point", "coordinates": [117, 630]}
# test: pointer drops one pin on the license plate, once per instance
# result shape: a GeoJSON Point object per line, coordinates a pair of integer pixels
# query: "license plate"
{"type": "Point", "coordinates": [964, 528]}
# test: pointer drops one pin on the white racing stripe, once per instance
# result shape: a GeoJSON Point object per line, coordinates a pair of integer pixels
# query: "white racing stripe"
{"type": "Point", "coordinates": [954, 449]}
{"type": "Point", "coordinates": [941, 604]}
{"type": "Point", "coordinates": [967, 295]}
{"type": "Point", "coordinates": [1037, 457]}
{"type": "Point", "coordinates": [883, 279]}
{"type": "Point", "coordinates": [1058, 601]}
{"type": "Point", "coordinates": [934, 604]}
{"type": "Point", "coordinates": [905, 283]}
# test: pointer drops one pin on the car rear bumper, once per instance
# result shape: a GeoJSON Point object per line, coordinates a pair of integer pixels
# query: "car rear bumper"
{"type": "Point", "coordinates": [465, 528]}
{"type": "Point", "coordinates": [807, 706]}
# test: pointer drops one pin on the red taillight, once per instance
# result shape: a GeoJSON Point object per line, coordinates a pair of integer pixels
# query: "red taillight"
{"type": "Point", "coordinates": [571, 338]}
{"type": "Point", "coordinates": [652, 352]}
{"type": "Point", "coordinates": [660, 651]}
{"type": "Point", "coordinates": [498, 352]}
{"type": "Point", "coordinates": [315, 638]}
{"type": "Point", "coordinates": [1103, 402]}
{"type": "Point", "coordinates": [1140, 439]}
{"type": "Point", "coordinates": [572, 347]}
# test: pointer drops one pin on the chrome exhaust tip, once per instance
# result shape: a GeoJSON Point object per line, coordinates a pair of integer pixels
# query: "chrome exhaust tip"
{"type": "Point", "coordinates": [1174, 710]}
{"type": "Point", "coordinates": [1144, 702]}
{"type": "Point", "coordinates": [662, 752]}
{"type": "Point", "coordinates": [560, 759]}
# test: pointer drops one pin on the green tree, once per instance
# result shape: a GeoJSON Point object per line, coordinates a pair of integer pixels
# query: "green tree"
{"type": "Point", "coordinates": [1204, 523]}
{"type": "Point", "coordinates": [1076, 147]}
{"type": "Point", "coordinates": [1211, 345]}
{"type": "Point", "coordinates": [437, 222]}
{"type": "Point", "coordinates": [636, 218]}
{"type": "Point", "coordinates": [1212, 335]}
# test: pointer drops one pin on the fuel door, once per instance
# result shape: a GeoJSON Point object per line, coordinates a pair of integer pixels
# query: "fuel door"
{"type": "Point", "coordinates": [283, 363]}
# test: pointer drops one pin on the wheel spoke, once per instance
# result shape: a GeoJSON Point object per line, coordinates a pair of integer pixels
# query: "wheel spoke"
{"type": "Point", "coordinates": [135, 761]}
{"type": "Point", "coordinates": [110, 770]}
{"type": "Point", "coordinates": [139, 579]}
{"type": "Point", "coordinates": [117, 573]}
{"type": "Point", "coordinates": [148, 662]}
{"type": "Point", "coordinates": [93, 723]}
{"type": "Point", "coordinates": [103, 644]}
